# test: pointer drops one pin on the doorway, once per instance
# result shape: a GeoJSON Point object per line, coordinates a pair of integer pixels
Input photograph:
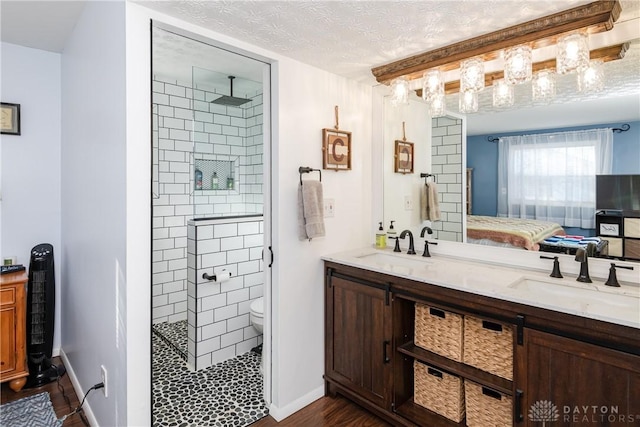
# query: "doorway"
{"type": "Point", "coordinates": [210, 218]}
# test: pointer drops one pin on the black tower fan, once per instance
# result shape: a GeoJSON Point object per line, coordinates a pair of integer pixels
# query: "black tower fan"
{"type": "Point", "coordinates": [40, 317]}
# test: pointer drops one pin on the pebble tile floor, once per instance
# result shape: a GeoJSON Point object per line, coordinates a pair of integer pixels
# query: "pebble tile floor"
{"type": "Point", "coordinates": [226, 394]}
{"type": "Point", "coordinates": [175, 335]}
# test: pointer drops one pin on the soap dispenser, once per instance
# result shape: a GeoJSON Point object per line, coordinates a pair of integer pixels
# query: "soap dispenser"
{"type": "Point", "coordinates": [381, 237]}
{"type": "Point", "coordinates": [391, 232]}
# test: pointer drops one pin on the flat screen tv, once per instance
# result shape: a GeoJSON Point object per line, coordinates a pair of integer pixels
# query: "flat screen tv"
{"type": "Point", "coordinates": [618, 193]}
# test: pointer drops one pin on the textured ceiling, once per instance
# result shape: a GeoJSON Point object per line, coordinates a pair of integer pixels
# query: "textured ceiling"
{"type": "Point", "coordinates": [345, 37]}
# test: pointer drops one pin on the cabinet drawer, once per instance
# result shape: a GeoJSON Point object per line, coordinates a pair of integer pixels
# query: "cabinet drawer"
{"type": "Point", "coordinates": [615, 246]}
{"type": "Point", "coordinates": [632, 227]}
{"type": "Point", "coordinates": [8, 296]}
{"type": "Point", "coordinates": [632, 248]}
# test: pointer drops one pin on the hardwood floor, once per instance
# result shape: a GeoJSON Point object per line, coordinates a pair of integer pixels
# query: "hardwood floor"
{"type": "Point", "coordinates": [60, 405]}
{"type": "Point", "coordinates": [330, 412]}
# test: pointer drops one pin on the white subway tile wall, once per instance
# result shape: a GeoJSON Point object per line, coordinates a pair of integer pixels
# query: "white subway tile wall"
{"type": "Point", "coordinates": [218, 320]}
{"type": "Point", "coordinates": [446, 160]}
{"type": "Point", "coordinates": [186, 126]}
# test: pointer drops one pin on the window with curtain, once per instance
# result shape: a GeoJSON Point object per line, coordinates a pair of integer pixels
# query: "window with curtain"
{"type": "Point", "coordinates": [551, 176]}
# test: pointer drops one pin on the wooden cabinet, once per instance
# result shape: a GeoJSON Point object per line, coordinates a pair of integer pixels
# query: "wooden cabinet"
{"type": "Point", "coordinates": [559, 359]}
{"type": "Point", "coordinates": [582, 383]}
{"type": "Point", "coordinates": [358, 337]}
{"type": "Point", "coordinates": [622, 232]}
{"type": "Point", "coordinates": [13, 361]}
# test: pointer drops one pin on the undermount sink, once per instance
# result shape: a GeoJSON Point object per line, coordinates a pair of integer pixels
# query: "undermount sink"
{"type": "Point", "coordinates": [579, 296]}
{"type": "Point", "coordinates": [395, 263]}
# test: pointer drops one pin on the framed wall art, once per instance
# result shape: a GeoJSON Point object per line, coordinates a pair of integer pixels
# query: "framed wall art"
{"type": "Point", "coordinates": [336, 148]}
{"type": "Point", "coordinates": [9, 118]}
{"type": "Point", "coordinates": [403, 157]}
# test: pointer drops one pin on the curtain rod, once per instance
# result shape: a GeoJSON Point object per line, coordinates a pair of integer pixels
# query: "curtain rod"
{"type": "Point", "coordinates": [625, 127]}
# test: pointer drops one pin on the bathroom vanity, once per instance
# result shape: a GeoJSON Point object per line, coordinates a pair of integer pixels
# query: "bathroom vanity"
{"type": "Point", "coordinates": [572, 347]}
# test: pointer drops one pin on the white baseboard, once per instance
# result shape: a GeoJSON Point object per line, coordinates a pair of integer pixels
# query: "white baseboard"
{"type": "Point", "coordinates": [280, 414]}
{"type": "Point", "coordinates": [79, 392]}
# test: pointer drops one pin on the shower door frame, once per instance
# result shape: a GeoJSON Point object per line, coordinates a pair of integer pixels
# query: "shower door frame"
{"type": "Point", "coordinates": [267, 84]}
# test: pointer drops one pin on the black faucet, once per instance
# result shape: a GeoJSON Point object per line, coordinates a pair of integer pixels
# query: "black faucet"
{"type": "Point", "coordinates": [582, 258]}
{"type": "Point", "coordinates": [556, 266]}
{"type": "Point", "coordinates": [426, 253]}
{"type": "Point", "coordinates": [613, 278]}
{"type": "Point", "coordinates": [411, 250]}
{"type": "Point", "coordinates": [397, 247]}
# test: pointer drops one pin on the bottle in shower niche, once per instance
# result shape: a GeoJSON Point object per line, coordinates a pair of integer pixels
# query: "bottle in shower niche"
{"type": "Point", "coordinates": [229, 183]}
{"type": "Point", "coordinates": [198, 179]}
{"type": "Point", "coordinates": [214, 181]}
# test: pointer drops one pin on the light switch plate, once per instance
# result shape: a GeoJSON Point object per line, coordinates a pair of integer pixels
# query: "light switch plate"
{"type": "Point", "coordinates": [329, 208]}
{"type": "Point", "coordinates": [408, 203]}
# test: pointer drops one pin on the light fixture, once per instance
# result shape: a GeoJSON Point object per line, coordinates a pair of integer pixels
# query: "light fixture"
{"type": "Point", "coordinates": [573, 53]}
{"type": "Point", "coordinates": [432, 85]}
{"type": "Point", "coordinates": [591, 77]}
{"type": "Point", "coordinates": [437, 106]}
{"type": "Point", "coordinates": [543, 86]}
{"type": "Point", "coordinates": [400, 91]}
{"type": "Point", "coordinates": [502, 93]}
{"type": "Point", "coordinates": [517, 64]}
{"type": "Point", "coordinates": [468, 101]}
{"type": "Point", "coordinates": [471, 75]}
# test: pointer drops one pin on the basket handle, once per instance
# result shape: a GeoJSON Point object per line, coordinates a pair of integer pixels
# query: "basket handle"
{"type": "Point", "coordinates": [436, 312]}
{"type": "Point", "coordinates": [434, 372]}
{"type": "Point", "coordinates": [491, 393]}
{"type": "Point", "coordinates": [492, 326]}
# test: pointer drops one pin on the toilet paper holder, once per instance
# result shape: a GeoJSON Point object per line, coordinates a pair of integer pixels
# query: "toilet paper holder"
{"type": "Point", "coordinates": [217, 277]}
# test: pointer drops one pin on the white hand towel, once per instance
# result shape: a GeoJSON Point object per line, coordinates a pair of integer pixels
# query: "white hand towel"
{"type": "Point", "coordinates": [310, 210]}
{"type": "Point", "coordinates": [433, 205]}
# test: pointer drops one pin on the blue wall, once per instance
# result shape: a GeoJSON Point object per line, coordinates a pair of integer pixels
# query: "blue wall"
{"type": "Point", "coordinates": [482, 156]}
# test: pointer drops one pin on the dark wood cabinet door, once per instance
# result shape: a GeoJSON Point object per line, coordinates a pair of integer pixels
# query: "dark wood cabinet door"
{"type": "Point", "coordinates": [358, 338]}
{"type": "Point", "coordinates": [573, 383]}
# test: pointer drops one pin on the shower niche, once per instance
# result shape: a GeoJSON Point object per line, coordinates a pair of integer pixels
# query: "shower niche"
{"type": "Point", "coordinates": [216, 175]}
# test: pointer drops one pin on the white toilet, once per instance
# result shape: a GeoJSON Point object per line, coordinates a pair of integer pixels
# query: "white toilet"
{"type": "Point", "coordinates": [257, 314]}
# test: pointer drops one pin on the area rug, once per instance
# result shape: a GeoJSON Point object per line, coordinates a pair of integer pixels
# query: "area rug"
{"type": "Point", "coordinates": [31, 411]}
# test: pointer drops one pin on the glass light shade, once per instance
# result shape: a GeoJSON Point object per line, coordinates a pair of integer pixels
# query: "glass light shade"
{"type": "Point", "coordinates": [502, 94]}
{"type": "Point", "coordinates": [471, 75]}
{"type": "Point", "coordinates": [468, 101]}
{"type": "Point", "coordinates": [591, 78]}
{"type": "Point", "coordinates": [432, 85]}
{"type": "Point", "coordinates": [517, 64]}
{"type": "Point", "coordinates": [543, 86]}
{"type": "Point", "coordinates": [400, 91]}
{"type": "Point", "coordinates": [437, 106]}
{"type": "Point", "coordinates": [573, 53]}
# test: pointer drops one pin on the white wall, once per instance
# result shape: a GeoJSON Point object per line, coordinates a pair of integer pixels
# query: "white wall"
{"type": "Point", "coordinates": [304, 98]}
{"type": "Point", "coordinates": [94, 324]}
{"type": "Point", "coordinates": [30, 168]}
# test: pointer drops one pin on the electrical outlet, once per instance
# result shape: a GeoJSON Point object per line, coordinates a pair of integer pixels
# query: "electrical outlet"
{"type": "Point", "coordinates": [103, 374]}
{"type": "Point", "coordinates": [329, 208]}
{"type": "Point", "coordinates": [408, 203]}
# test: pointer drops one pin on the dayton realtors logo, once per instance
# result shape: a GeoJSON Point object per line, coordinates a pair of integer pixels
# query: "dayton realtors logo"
{"type": "Point", "coordinates": [545, 411]}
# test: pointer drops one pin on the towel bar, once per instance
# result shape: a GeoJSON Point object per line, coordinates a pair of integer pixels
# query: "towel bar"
{"type": "Point", "coordinates": [426, 176]}
{"type": "Point", "coordinates": [306, 169]}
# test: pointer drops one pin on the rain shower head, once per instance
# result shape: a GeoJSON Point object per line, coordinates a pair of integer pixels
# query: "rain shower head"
{"type": "Point", "coordinates": [230, 100]}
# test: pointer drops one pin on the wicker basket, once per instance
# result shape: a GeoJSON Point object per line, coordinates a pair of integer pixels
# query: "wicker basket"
{"type": "Point", "coordinates": [486, 407]}
{"type": "Point", "coordinates": [438, 391]}
{"type": "Point", "coordinates": [439, 331]}
{"type": "Point", "coordinates": [489, 346]}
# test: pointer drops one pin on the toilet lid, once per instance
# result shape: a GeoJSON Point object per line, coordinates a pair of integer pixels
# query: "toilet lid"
{"type": "Point", "coordinates": [257, 306]}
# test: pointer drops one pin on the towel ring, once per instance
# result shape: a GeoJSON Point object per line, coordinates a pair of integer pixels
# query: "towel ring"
{"type": "Point", "coordinates": [306, 169]}
{"type": "Point", "coordinates": [426, 176]}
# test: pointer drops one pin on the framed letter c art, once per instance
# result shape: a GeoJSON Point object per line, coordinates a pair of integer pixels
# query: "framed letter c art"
{"type": "Point", "coordinates": [403, 157]}
{"type": "Point", "coordinates": [336, 148]}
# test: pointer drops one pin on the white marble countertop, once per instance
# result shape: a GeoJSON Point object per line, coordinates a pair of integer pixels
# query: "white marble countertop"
{"type": "Point", "coordinates": [526, 286]}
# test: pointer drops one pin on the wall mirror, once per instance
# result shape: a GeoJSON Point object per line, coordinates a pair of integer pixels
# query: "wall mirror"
{"type": "Point", "coordinates": [438, 152]}
{"type": "Point", "coordinates": [616, 105]}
